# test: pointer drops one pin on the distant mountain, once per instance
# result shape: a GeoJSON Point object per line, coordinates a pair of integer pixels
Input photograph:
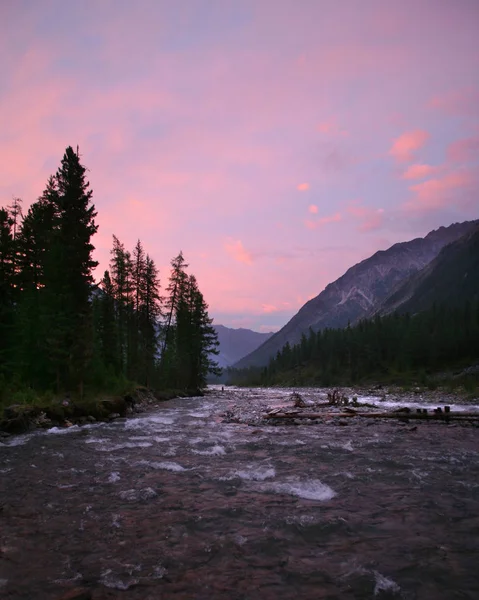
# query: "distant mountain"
{"type": "Point", "coordinates": [236, 343]}
{"type": "Point", "coordinates": [361, 290]}
{"type": "Point", "coordinates": [450, 279]}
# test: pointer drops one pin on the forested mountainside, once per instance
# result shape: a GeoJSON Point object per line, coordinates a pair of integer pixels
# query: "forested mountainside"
{"type": "Point", "coordinates": [361, 290]}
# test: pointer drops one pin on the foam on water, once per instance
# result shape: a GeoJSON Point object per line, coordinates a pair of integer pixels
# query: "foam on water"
{"type": "Point", "coordinates": [196, 440]}
{"type": "Point", "coordinates": [214, 451]}
{"type": "Point", "coordinates": [312, 489]}
{"type": "Point", "coordinates": [155, 438]}
{"type": "Point", "coordinates": [384, 584]}
{"type": "Point", "coordinates": [62, 430]}
{"type": "Point", "coordinates": [302, 520]}
{"type": "Point", "coordinates": [110, 580]}
{"type": "Point", "coordinates": [199, 414]}
{"type": "Point", "coordinates": [255, 473]}
{"type": "Point", "coordinates": [19, 440]}
{"type": "Point", "coordinates": [115, 476]}
{"type": "Point", "coordinates": [133, 495]}
{"type": "Point", "coordinates": [125, 445]}
{"type": "Point", "coordinates": [166, 465]}
{"type": "Point", "coordinates": [115, 521]}
{"type": "Point", "coordinates": [148, 423]}
{"type": "Point", "coordinates": [161, 420]}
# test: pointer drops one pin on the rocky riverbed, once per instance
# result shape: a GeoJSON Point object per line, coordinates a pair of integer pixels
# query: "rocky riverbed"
{"type": "Point", "coordinates": [202, 498]}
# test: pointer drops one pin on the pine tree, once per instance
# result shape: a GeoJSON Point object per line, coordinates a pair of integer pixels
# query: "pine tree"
{"type": "Point", "coordinates": [68, 274]}
{"type": "Point", "coordinates": [204, 339]}
{"type": "Point", "coordinates": [149, 314]}
{"type": "Point", "coordinates": [121, 281]}
{"type": "Point", "coordinates": [107, 326]}
{"type": "Point", "coordinates": [33, 244]}
{"type": "Point", "coordinates": [169, 358]}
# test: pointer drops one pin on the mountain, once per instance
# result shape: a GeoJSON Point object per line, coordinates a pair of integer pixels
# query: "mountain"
{"type": "Point", "coordinates": [236, 343]}
{"type": "Point", "coordinates": [361, 290]}
{"type": "Point", "coordinates": [450, 279]}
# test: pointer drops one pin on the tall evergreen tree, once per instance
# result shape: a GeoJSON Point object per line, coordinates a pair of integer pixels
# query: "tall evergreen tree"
{"type": "Point", "coordinates": [121, 282]}
{"type": "Point", "coordinates": [149, 314]}
{"type": "Point", "coordinates": [33, 244]}
{"type": "Point", "coordinates": [68, 273]}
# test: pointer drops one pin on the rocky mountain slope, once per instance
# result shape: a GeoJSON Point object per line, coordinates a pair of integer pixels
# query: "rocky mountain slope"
{"type": "Point", "coordinates": [451, 278]}
{"type": "Point", "coordinates": [361, 290]}
{"type": "Point", "coordinates": [236, 343]}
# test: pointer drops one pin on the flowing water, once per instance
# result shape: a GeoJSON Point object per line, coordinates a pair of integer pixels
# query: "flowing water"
{"type": "Point", "coordinates": [179, 503]}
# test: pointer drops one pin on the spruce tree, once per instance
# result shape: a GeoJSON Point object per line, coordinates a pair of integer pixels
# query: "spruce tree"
{"type": "Point", "coordinates": [121, 281]}
{"type": "Point", "coordinates": [149, 314]}
{"type": "Point", "coordinates": [68, 274]}
{"type": "Point", "coordinates": [33, 244]}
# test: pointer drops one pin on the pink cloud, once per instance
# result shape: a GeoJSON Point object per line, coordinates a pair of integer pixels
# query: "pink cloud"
{"type": "Point", "coordinates": [419, 171]}
{"type": "Point", "coordinates": [369, 219]}
{"type": "Point", "coordinates": [237, 251]}
{"type": "Point", "coordinates": [269, 308]}
{"type": "Point", "coordinates": [331, 128]}
{"type": "Point", "coordinates": [314, 224]}
{"type": "Point", "coordinates": [405, 146]}
{"type": "Point", "coordinates": [463, 151]}
{"type": "Point", "coordinates": [463, 102]}
{"type": "Point", "coordinates": [302, 187]}
{"type": "Point", "coordinates": [313, 209]}
{"type": "Point", "coordinates": [437, 193]}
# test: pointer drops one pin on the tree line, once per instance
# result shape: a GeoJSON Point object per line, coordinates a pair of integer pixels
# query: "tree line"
{"type": "Point", "coordinates": [391, 348]}
{"type": "Point", "coordinates": [61, 331]}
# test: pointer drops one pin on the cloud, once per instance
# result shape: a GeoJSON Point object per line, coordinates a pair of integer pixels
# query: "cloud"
{"type": "Point", "coordinates": [331, 128]}
{"type": "Point", "coordinates": [439, 192]}
{"type": "Point", "coordinates": [269, 308]}
{"type": "Point", "coordinates": [419, 171]}
{"type": "Point", "coordinates": [313, 209]}
{"type": "Point", "coordinates": [405, 146]}
{"type": "Point", "coordinates": [463, 151]}
{"type": "Point", "coordinates": [237, 251]}
{"type": "Point", "coordinates": [302, 187]}
{"type": "Point", "coordinates": [464, 102]}
{"type": "Point", "coordinates": [369, 219]}
{"type": "Point", "coordinates": [314, 224]}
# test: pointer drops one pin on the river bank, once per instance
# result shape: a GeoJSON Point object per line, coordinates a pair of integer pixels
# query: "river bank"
{"type": "Point", "coordinates": [66, 412]}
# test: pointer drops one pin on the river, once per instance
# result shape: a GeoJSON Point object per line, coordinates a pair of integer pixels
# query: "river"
{"type": "Point", "coordinates": [178, 503]}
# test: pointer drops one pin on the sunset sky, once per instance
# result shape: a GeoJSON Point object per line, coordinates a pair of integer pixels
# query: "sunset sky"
{"type": "Point", "coordinates": [275, 142]}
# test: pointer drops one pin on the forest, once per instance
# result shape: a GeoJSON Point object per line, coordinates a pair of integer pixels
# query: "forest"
{"type": "Point", "coordinates": [61, 332]}
{"type": "Point", "coordinates": [397, 348]}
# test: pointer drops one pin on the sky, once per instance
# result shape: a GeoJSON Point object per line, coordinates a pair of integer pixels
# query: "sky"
{"type": "Point", "coordinates": [275, 142]}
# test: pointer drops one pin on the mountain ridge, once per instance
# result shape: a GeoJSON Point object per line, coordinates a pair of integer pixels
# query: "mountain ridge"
{"type": "Point", "coordinates": [236, 343]}
{"type": "Point", "coordinates": [360, 290]}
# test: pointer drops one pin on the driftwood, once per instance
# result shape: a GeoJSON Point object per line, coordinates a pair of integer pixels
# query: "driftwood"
{"type": "Point", "coordinates": [441, 416]}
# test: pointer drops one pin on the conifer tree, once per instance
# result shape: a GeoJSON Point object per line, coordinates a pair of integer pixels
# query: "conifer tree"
{"type": "Point", "coordinates": [149, 314]}
{"type": "Point", "coordinates": [204, 339]}
{"type": "Point", "coordinates": [33, 244]}
{"type": "Point", "coordinates": [121, 281]}
{"type": "Point", "coordinates": [68, 273]}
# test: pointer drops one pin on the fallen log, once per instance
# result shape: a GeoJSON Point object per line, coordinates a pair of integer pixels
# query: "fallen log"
{"type": "Point", "coordinates": [461, 416]}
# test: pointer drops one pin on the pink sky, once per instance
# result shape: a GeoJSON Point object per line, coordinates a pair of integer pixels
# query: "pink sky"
{"type": "Point", "coordinates": [275, 142]}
